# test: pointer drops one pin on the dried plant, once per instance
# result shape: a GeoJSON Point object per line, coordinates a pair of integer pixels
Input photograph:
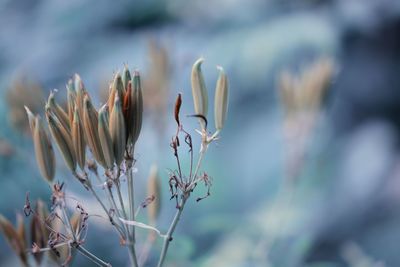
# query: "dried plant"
{"type": "Point", "coordinates": [110, 134]}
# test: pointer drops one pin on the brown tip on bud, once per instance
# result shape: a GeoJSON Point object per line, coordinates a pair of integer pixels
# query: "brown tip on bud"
{"type": "Point", "coordinates": [178, 104]}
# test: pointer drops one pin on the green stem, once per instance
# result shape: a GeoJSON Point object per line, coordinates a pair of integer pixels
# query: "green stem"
{"type": "Point", "coordinates": [168, 237]}
{"type": "Point", "coordinates": [92, 257]}
{"type": "Point", "coordinates": [131, 199]}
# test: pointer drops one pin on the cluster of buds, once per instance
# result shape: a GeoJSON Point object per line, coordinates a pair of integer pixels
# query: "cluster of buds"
{"type": "Point", "coordinates": [110, 132]}
{"type": "Point", "coordinates": [301, 98]}
{"type": "Point", "coordinates": [200, 100]}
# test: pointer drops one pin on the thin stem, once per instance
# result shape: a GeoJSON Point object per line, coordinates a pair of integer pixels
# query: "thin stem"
{"type": "Point", "coordinates": [168, 237]}
{"type": "Point", "coordinates": [68, 223]}
{"type": "Point", "coordinates": [106, 211]}
{"type": "Point", "coordinates": [201, 156]}
{"type": "Point", "coordinates": [92, 257]}
{"type": "Point", "coordinates": [131, 197]}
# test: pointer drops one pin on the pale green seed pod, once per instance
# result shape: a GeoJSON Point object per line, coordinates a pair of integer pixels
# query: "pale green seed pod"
{"type": "Point", "coordinates": [43, 151]}
{"type": "Point", "coordinates": [90, 126]}
{"type": "Point", "coordinates": [105, 137]}
{"type": "Point", "coordinates": [126, 77]}
{"type": "Point", "coordinates": [61, 115]}
{"type": "Point", "coordinates": [137, 107]}
{"type": "Point", "coordinates": [221, 100]}
{"type": "Point", "coordinates": [63, 140]}
{"type": "Point", "coordinates": [199, 91]}
{"type": "Point", "coordinates": [118, 131]}
{"type": "Point", "coordinates": [78, 140]}
{"type": "Point", "coordinates": [153, 189]}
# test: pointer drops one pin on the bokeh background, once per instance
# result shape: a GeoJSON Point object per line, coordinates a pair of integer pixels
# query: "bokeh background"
{"type": "Point", "coordinates": [345, 205]}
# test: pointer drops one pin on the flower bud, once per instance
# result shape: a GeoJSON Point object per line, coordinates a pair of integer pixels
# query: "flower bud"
{"type": "Point", "coordinates": [126, 77]}
{"type": "Point", "coordinates": [43, 151]}
{"type": "Point", "coordinates": [90, 126]}
{"type": "Point", "coordinates": [221, 100]}
{"type": "Point", "coordinates": [80, 93]}
{"type": "Point", "coordinates": [117, 89]}
{"type": "Point", "coordinates": [137, 103]}
{"type": "Point", "coordinates": [63, 140]}
{"type": "Point", "coordinates": [127, 109]}
{"type": "Point", "coordinates": [61, 115]}
{"type": "Point", "coordinates": [71, 95]}
{"type": "Point", "coordinates": [199, 91]}
{"type": "Point", "coordinates": [118, 131]}
{"type": "Point", "coordinates": [105, 138]}
{"type": "Point", "coordinates": [31, 118]}
{"type": "Point", "coordinates": [78, 140]}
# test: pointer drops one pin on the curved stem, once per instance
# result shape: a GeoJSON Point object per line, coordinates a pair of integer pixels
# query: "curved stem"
{"type": "Point", "coordinates": [168, 237]}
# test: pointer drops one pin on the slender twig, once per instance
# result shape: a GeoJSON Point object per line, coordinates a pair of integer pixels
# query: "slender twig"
{"type": "Point", "coordinates": [92, 257]}
{"type": "Point", "coordinates": [131, 196]}
{"type": "Point", "coordinates": [168, 237]}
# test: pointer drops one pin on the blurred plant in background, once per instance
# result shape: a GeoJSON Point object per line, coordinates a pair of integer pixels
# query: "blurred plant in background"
{"type": "Point", "coordinates": [110, 133]}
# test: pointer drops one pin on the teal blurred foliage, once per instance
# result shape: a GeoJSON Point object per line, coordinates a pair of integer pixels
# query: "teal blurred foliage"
{"type": "Point", "coordinates": [348, 189]}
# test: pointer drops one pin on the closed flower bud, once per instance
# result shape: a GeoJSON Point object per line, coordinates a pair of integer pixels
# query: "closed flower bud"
{"type": "Point", "coordinates": [137, 110]}
{"type": "Point", "coordinates": [117, 89]}
{"type": "Point", "coordinates": [153, 190]}
{"type": "Point", "coordinates": [221, 100]}
{"type": "Point", "coordinates": [90, 126]}
{"type": "Point", "coordinates": [63, 140]}
{"type": "Point", "coordinates": [43, 151]}
{"type": "Point", "coordinates": [31, 118]}
{"type": "Point", "coordinates": [105, 138]}
{"type": "Point", "coordinates": [127, 109]}
{"type": "Point", "coordinates": [80, 93]}
{"type": "Point", "coordinates": [78, 140]}
{"type": "Point", "coordinates": [199, 91]}
{"type": "Point", "coordinates": [126, 77]}
{"type": "Point", "coordinates": [61, 115]}
{"type": "Point", "coordinates": [118, 131]}
{"type": "Point", "coordinates": [71, 95]}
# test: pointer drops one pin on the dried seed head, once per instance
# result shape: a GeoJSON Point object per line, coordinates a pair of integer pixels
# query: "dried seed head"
{"type": "Point", "coordinates": [126, 77]}
{"type": "Point", "coordinates": [137, 103]}
{"type": "Point", "coordinates": [78, 140]}
{"type": "Point", "coordinates": [71, 95]}
{"type": "Point", "coordinates": [13, 239]}
{"type": "Point", "coordinates": [221, 100]}
{"type": "Point", "coordinates": [118, 131]}
{"type": "Point", "coordinates": [90, 126]}
{"type": "Point", "coordinates": [153, 189]}
{"type": "Point", "coordinates": [199, 91]}
{"type": "Point", "coordinates": [63, 140]}
{"type": "Point", "coordinates": [105, 138]}
{"type": "Point", "coordinates": [61, 115]}
{"type": "Point", "coordinates": [43, 150]}
{"type": "Point", "coordinates": [117, 89]}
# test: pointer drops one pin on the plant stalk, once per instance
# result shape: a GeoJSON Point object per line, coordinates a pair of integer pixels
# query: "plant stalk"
{"type": "Point", "coordinates": [92, 257]}
{"type": "Point", "coordinates": [168, 237]}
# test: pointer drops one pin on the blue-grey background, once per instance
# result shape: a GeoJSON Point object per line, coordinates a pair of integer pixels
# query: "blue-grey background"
{"type": "Point", "coordinates": [349, 196]}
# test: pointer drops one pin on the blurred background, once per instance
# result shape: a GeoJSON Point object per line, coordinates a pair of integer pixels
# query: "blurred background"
{"type": "Point", "coordinates": [327, 196]}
